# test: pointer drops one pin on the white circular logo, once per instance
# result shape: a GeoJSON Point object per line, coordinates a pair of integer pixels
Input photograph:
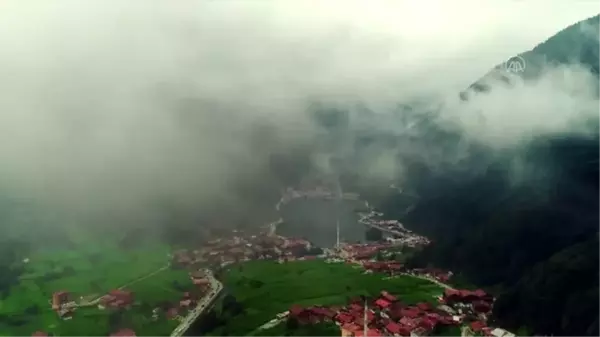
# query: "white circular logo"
{"type": "Point", "coordinates": [515, 64]}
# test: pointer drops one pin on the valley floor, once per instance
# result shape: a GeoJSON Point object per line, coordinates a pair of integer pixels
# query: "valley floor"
{"type": "Point", "coordinates": [267, 288]}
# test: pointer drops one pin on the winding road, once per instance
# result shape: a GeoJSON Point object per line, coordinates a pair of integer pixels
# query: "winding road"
{"type": "Point", "coordinates": [215, 289]}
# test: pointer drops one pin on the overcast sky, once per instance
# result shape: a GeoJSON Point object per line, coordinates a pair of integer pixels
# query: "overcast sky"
{"type": "Point", "coordinates": [91, 90]}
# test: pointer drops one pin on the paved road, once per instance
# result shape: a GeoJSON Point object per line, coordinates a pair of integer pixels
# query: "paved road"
{"type": "Point", "coordinates": [443, 285]}
{"type": "Point", "coordinates": [215, 289]}
{"type": "Point", "coordinates": [278, 319]}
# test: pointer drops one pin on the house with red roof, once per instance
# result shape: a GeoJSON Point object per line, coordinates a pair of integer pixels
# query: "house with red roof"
{"type": "Point", "coordinates": [117, 298]}
{"type": "Point", "coordinates": [40, 334]}
{"type": "Point", "coordinates": [295, 310]}
{"type": "Point", "coordinates": [355, 307]}
{"type": "Point", "coordinates": [466, 296]}
{"type": "Point", "coordinates": [350, 329]}
{"type": "Point", "coordinates": [424, 306]}
{"type": "Point", "coordinates": [59, 298]}
{"type": "Point", "coordinates": [451, 295]}
{"type": "Point", "coordinates": [408, 322]}
{"type": "Point", "coordinates": [172, 313]}
{"type": "Point", "coordinates": [393, 328]}
{"type": "Point", "coordinates": [428, 323]}
{"type": "Point", "coordinates": [344, 318]}
{"type": "Point", "coordinates": [382, 303]}
{"type": "Point", "coordinates": [482, 307]}
{"type": "Point", "coordinates": [404, 331]}
{"type": "Point", "coordinates": [477, 326]}
{"type": "Point", "coordinates": [123, 333]}
{"type": "Point", "coordinates": [388, 297]}
{"type": "Point", "coordinates": [410, 312]}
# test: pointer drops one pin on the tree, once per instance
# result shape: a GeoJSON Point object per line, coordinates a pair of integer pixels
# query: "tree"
{"type": "Point", "coordinates": [292, 323]}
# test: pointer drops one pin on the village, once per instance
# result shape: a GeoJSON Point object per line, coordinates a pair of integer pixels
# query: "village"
{"type": "Point", "coordinates": [65, 305]}
{"type": "Point", "coordinates": [386, 315]}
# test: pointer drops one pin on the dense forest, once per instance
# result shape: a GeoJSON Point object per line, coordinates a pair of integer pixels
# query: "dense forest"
{"type": "Point", "coordinates": [535, 244]}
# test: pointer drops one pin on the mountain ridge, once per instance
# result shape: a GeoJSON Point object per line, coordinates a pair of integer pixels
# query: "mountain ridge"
{"type": "Point", "coordinates": [519, 241]}
{"type": "Point", "coordinates": [575, 44]}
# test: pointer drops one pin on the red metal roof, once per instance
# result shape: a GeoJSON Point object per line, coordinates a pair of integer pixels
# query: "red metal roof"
{"type": "Point", "coordinates": [40, 334]}
{"type": "Point", "coordinates": [393, 327]}
{"type": "Point", "coordinates": [296, 310]}
{"type": "Point", "coordinates": [172, 312]}
{"type": "Point", "coordinates": [427, 323]}
{"type": "Point", "coordinates": [389, 297]}
{"type": "Point", "coordinates": [409, 322]}
{"type": "Point", "coordinates": [424, 306]}
{"type": "Point", "coordinates": [479, 293]}
{"type": "Point", "coordinates": [477, 326]}
{"type": "Point", "coordinates": [451, 292]}
{"type": "Point", "coordinates": [404, 330]}
{"type": "Point", "coordinates": [382, 303]}
{"type": "Point", "coordinates": [344, 318]}
{"type": "Point", "coordinates": [351, 327]}
{"type": "Point", "coordinates": [410, 312]}
{"type": "Point", "coordinates": [355, 307]}
{"type": "Point", "coordinates": [124, 332]}
{"type": "Point", "coordinates": [481, 306]}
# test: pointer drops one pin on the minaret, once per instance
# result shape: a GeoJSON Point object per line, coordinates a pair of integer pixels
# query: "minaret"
{"type": "Point", "coordinates": [337, 229]}
{"type": "Point", "coordinates": [365, 320]}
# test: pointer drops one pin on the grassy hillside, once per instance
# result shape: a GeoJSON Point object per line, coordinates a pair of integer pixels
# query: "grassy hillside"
{"type": "Point", "coordinates": [88, 273]}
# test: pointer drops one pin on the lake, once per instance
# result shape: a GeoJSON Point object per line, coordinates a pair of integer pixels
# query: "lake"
{"type": "Point", "coordinates": [315, 220]}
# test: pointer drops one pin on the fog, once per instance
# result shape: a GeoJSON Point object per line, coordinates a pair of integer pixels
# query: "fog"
{"type": "Point", "coordinates": [114, 107]}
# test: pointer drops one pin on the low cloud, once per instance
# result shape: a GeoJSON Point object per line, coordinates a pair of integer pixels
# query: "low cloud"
{"type": "Point", "coordinates": [112, 107]}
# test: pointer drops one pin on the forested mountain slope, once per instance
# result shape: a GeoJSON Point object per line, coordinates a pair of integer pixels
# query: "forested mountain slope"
{"type": "Point", "coordinates": [535, 243]}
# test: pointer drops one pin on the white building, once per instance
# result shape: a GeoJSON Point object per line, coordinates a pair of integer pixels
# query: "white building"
{"type": "Point", "coordinates": [502, 333]}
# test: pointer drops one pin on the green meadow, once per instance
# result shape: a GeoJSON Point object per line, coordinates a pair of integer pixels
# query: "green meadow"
{"type": "Point", "coordinates": [266, 288]}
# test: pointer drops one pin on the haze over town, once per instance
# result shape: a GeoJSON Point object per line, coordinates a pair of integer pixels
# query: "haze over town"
{"type": "Point", "coordinates": [118, 106]}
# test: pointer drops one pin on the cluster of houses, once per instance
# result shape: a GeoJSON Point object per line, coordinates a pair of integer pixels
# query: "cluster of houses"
{"type": "Point", "coordinates": [63, 304]}
{"type": "Point", "coordinates": [384, 315]}
{"type": "Point", "coordinates": [396, 233]}
{"type": "Point", "coordinates": [187, 302]}
{"type": "Point", "coordinates": [116, 299]}
{"type": "Point", "coordinates": [363, 255]}
{"type": "Point", "coordinates": [387, 267]}
{"type": "Point", "coordinates": [240, 247]}
{"type": "Point", "coordinates": [360, 251]}
{"type": "Point", "coordinates": [472, 305]}
{"type": "Point", "coordinates": [431, 273]}
{"type": "Point", "coordinates": [119, 333]}
{"type": "Point", "coordinates": [455, 307]}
